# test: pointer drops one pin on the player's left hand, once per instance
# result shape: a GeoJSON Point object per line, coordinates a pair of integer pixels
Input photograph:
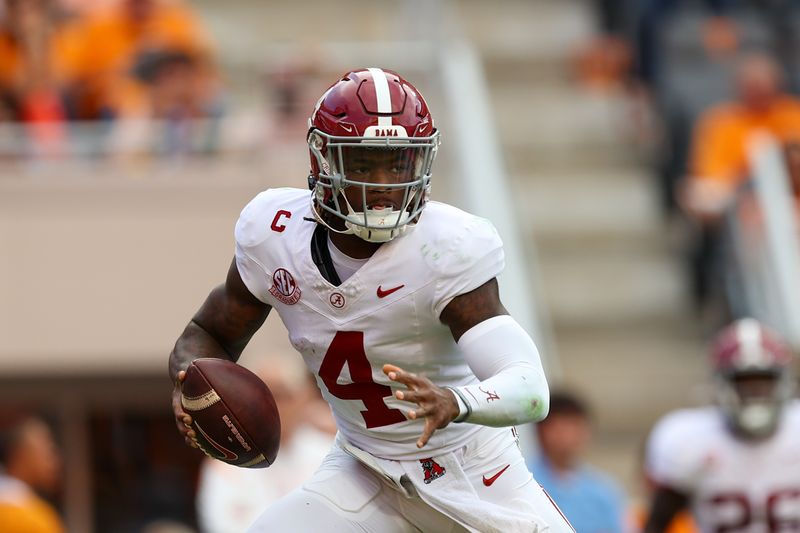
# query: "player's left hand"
{"type": "Point", "coordinates": [436, 404]}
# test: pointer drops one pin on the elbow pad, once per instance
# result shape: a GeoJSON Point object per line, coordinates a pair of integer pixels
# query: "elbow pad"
{"type": "Point", "coordinates": [513, 388]}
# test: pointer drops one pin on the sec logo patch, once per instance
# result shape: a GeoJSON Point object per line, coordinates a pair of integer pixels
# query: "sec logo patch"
{"type": "Point", "coordinates": [284, 288]}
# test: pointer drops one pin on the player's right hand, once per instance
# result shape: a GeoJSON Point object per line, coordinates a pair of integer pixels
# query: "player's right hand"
{"type": "Point", "coordinates": [437, 405]}
{"type": "Point", "coordinates": [182, 419]}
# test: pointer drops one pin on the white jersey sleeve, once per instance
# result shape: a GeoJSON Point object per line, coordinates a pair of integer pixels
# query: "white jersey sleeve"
{"type": "Point", "coordinates": [676, 449]}
{"type": "Point", "coordinates": [463, 259]}
{"type": "Point", "coordinates": [251, 232]}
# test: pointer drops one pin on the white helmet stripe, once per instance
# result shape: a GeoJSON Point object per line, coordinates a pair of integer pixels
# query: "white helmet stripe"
{"type": "Point", "coordinates": [382, 95]}
{"type": "Point", "coordinates": [749, 336]}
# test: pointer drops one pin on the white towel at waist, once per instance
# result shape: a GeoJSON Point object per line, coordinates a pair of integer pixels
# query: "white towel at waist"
{"type": "Point", "coordinates": [448, 491]}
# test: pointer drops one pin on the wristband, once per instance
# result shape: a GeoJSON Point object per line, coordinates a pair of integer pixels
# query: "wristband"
{"type": "Point", "coordinates": [464, 409]}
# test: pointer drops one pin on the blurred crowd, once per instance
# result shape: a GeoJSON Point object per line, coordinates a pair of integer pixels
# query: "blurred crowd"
{"type": "Point", "coordinates": [712, 92]}
{"type": "Point", "coordinates": [91, 78]}
{"type": "Point", "coordinates": [102, 62]}
{"type": "Point", "coordinates": [701, 78]}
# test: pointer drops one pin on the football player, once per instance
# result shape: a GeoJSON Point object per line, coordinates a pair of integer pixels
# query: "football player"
{"type": "Point", "coordinates": [736, 465]}
{"type": "Point", "coordinates": [392, 301]}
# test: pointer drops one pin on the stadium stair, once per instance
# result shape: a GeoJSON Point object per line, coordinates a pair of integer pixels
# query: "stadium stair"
{"type": "Point", "coordinates": [612, 282]}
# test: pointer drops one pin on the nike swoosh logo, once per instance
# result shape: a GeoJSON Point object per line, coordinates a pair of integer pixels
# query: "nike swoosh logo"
{"type": "Point", "coordinates": [348, 129]}
{"type": "Point", "coordinates": [488, 481]}
{"type": "Point", "coordinates": [384, 293]}
{"type": "Point", "coordinates": [227, 455]}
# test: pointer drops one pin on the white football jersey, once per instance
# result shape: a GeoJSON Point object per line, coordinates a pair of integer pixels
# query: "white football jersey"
{"type": "Point", "coordinates": [734, 485]}
{"type": "Point", "coordinates": [387, 312]}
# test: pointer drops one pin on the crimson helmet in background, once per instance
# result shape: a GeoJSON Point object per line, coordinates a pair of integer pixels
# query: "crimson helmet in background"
{"type": "Point", "coordinates": [367, 115]}
{"type": "Point", "coordinates": [752, 371]}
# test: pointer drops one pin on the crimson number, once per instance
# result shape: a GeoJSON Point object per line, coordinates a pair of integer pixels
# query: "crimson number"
{"type": "Point", "coordinates": [775, 522]}
{"type": "Point", "coordinates": [348, 347]}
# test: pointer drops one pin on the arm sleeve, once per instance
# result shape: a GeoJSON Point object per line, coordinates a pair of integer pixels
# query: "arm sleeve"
{"type": "Point", "coordinates": [513, 387]}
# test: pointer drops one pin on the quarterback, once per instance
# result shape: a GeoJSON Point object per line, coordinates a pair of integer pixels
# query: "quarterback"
{"type": "Point", "coordinates": [736, 465]}
{"type": "Point", "coordinates": [392, 301]}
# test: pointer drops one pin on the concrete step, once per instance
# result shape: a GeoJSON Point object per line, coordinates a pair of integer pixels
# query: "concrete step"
{"type": "Point", "coordinates": [553, 156]}
{"type": "Point", "coordinates": [546, 129]}
{"type": "Point", "coordinates": [610, 286]}
{"type": "Point", "coordinates": [540, 29]}
{"type": "Point", "coordinates": [634, 372]}
{"type": "Point", "coordinates": [617, 203]}
{"type": "Point", "coordinates": [603, 251]}
{"type": "Point", "coordinates": [507, 68]}
{"type": "Point", "coordinates": [559, 115]}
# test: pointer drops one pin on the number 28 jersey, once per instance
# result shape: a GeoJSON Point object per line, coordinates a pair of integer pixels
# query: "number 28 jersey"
{"type": "Point", "coordinates": [735, 485]}
{"type": "Point", "coordinates": [387, 312]}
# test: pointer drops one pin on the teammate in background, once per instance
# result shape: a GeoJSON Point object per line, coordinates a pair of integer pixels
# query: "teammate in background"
{"type": "Point", "coordinates": [736, 464]}
{"type": "Point", "coordinates": [29, 464]}
{"type": "Point", "coordinates": [230, 498]}
{"type": "Point", "coordinates": [592, 501]}
{"type": "Point", "coordinates": [392, 300]}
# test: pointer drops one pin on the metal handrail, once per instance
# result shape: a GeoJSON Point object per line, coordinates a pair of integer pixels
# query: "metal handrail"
{"type": "Point", "coordinates": [762, 228]}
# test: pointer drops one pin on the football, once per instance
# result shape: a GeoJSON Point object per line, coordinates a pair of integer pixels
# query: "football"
{"type": "Point", "coordinates": [233, 413]}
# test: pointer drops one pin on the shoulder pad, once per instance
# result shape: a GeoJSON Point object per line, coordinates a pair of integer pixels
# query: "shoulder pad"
{"type": "Point", "coordinates": [257, 217]}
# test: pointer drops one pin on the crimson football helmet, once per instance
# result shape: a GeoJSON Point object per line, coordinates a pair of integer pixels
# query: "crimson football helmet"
{"type": "Point", "coordinates": [372, 143]}
{"type": "Point", "coordinates": [752, 370]}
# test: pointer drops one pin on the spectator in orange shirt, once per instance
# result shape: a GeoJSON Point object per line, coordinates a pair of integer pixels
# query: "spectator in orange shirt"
{"type": "Point", "coordinates": [30, 68]}
{"type": "Point", "coordinates": [719, 147]}
{"type": "Point", "coordinates": [719, 165]}
{"type": "Point", "coordinates": [172, 89]}
{"type": "Point", "coordinates": [29, 463]}
{"type": "Point", "coordinates": [114, 40]}
{"type": "Point", "coordinates": [36, 49]}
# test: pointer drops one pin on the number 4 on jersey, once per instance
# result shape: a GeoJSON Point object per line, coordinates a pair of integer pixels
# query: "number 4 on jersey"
{"type": "Point", "coordinates": [348, 347]}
